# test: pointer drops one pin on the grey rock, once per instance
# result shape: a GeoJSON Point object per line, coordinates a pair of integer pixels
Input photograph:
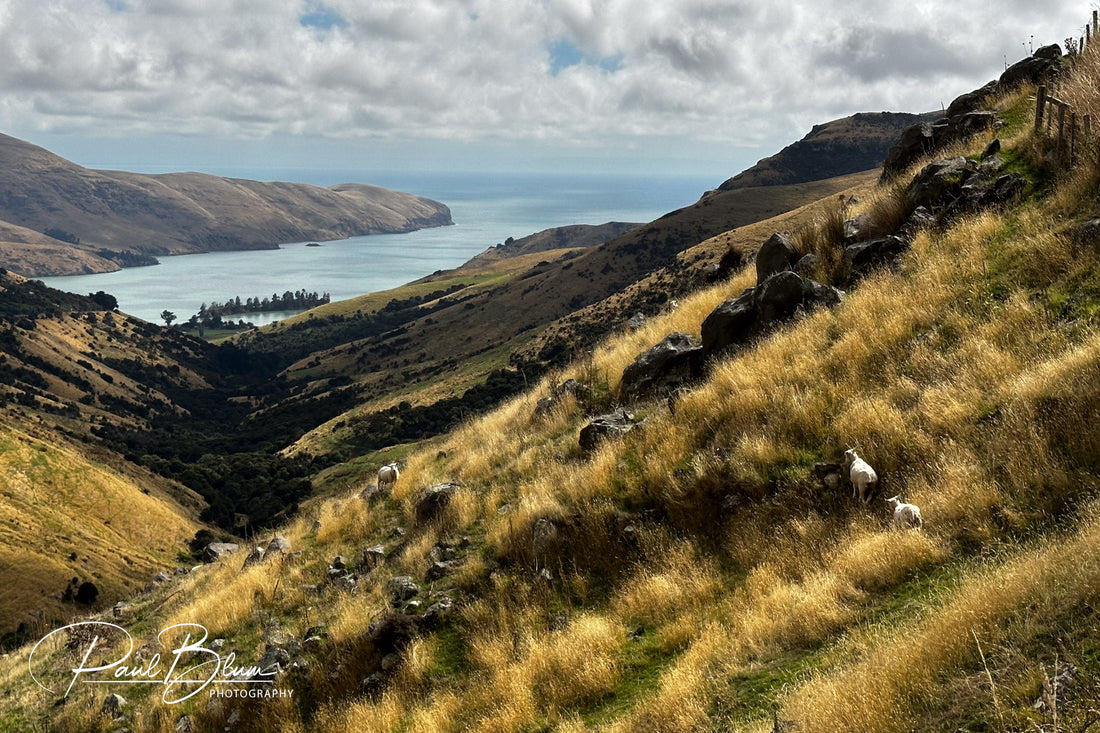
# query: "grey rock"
{"type": "Point", "coordinates": [121, 609]}
{"type": "Point", "coordinates": [434, 500]}
{"type": "Point", "coordinates": [636, 321]}
{"type": "Point", "coordinates": [778, 299]}
{"type": "Point", "coordinates": [971, 101]}
{"type": "Point", "coordinates": [438, 611]}
{"type": "Point", "coordinates": [777, 254]}
{"type": "Point", "coordinates": [806, 266]}
{"type": "Point", "coordinates": [603, 427]}
{"type": "Point", "coordinates": [865, 257]}
{"type": "Point", "coordinates": [939, 183]}
{"type": "Point", "coordinates": [992, 149]}
{"type": "Point", "coordinates": [390, 662]}
{"type": "Point", "coordinates": [278, 544]}
{"type": "Point", "coordinates": [184, 725]}
{"type": "Point", "coordinates": [677, 359]}
{"type": "Point", "coordinates": [729, 324]}
{"type": "Point", "coordinates": [1042, 66]}
{"type": "Point", "coordinates": [441, 569]}
{"type": "Point", "coordinates": [543, 534]}
{"type": "Point", "coordinates": [1088, 234]}
{"type": "Point", "coordinates": [217, 550]}
{"type": "Point", "coordinates": [373, 493]}
{"type": "Point", "coordinates": [112, 705]}
{"type": "Point", "coordinates": [914, 142]}
{"type": "Point", "coordinates": [180, 570]}
{"type": "Point", "coordinates": [161, 577]}
{"type": "Point", "coordinates": [817, 295]}
{"type": "Point", "coordinates": [402, 588]}
{"type": "Point", "coordinates": [255, 557]}
{"type": "Point", "coordinates": [340, 562]}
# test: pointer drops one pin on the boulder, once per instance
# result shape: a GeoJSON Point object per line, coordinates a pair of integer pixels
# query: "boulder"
{"type": "Point", "coordinates": [254, 557]}
{"type": "Point", "coordinates": [217, 550]}
{"type": "Point", "coordinates": [915, 141]}
{"type": "Point", "coordinates": [601, 428]}
{"type": "Point", "coordinates": [777, 254]}
{"type": "Point", "coordinates": [1040, 67]}
{"type": "Point", "coordinates": [112, 706]}
{"type": "Point", "coordinates": [339, 562]}
{"type": "Point", "coordinates": [817, 295]}
{"type": "Point", "coordinates": [374, 556]}
{"type": "Point", "coordinates": [438, 612]}
{"type": "Point", "coordinates": [636, 321]}
{"type": "Point", "coordinates": [729, 324]}
{"type": "Point", "coordinates": [441, 569]}
{"type": "Point", "coordinates": [778, 299]}
{"type": "Point", "coordinates": [940, 183]}
{"type": "Point", "coordinates": [402, 588]}
{"type": "Point", "coordinates": [971, 101]}
{"type": "Point", "coordinates": [580, 392]}
{"type": "Point", "coordinates": [806, 266]}
{"type": "Point", "coordinates": [278, 544]}
{"type": "Point", "coordinates": [434, 500]}
{"type": "Point", "coordinates": [677, 359]}
{"type": "Point", "coordinates": [866, 256]}
{"type": "Point", "coordinates": [543, 534]}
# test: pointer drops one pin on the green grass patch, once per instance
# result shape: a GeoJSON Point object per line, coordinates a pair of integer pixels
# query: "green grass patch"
{"type": "Point", "coordinates": [644, 661]}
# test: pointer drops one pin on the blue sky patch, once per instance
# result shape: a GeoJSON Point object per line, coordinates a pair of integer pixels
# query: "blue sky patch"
{"type": "Point", "coordinates": [318, 16]}
{"type": "Point", "coordinates": [564, 54]}
{"type": "Point", "coordinates": [117, 6]}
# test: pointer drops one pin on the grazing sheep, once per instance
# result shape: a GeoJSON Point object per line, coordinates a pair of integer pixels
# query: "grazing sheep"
{"type": "Point", "coordinates": [387, 476]}
{"type": "Point", "coordinates": [861, 475]}
{"type": "Point", "coordinates": [906, 516]}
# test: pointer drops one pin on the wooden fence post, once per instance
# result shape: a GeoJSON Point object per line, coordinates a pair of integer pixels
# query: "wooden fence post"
{"type": "Point", "coordinates": [1095, 22]}
{"type": "Point", "coordinates": [1040, 106]}
{"type": "Point", "coordinates": [1072, 135]}
{"type": "Point", "coordinates": [1088, 126]}
{"type": "Point", "coordinates": [1061, 122]}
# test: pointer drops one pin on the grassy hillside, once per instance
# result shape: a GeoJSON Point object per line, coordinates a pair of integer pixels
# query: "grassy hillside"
{"type": "Point", "coordinates": [694, 575]}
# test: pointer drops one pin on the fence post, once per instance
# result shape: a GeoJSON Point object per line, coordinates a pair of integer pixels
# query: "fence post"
{"type": "Point", "coordinates": [1095, 22]}
{"type": "Point", "coordinates": [1040, 106]}
{"type": "Point", "coordinates": [1061, 123]}
{"type": "Point", "coordinates": [1072, 135]}
{"type": "Point", "coordinates": [1088, 126]}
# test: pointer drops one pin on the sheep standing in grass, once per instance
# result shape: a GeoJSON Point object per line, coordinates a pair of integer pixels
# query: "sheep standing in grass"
{"type": "Point", "coordinates": [387, 476]}
{"type": "Point", "coordinates": [861, 475]}
{"type": "Point", "coordinates": [906, 516]}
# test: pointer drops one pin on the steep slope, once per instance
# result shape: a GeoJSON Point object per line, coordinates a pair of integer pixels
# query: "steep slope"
{"type": "Point", "coordinates": [848, 145]}
{"type": "Point", "coordinates": [113, 217]}
{"type": "Point", "coordinates": [567, 237]}
{"type": "Point", "coordinates": [695, 573]}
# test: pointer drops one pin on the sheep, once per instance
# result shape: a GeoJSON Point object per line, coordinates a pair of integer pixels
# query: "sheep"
{"type": "Point", "coordinates": [861, 474]}
{"type": "Point", "coordinates": [387, 476]}
{"type": "Point", "coordinates": [906, 516]}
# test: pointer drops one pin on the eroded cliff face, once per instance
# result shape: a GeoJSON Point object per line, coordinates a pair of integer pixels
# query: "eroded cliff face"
{"type": "Point", "coordinates": [58, 218]}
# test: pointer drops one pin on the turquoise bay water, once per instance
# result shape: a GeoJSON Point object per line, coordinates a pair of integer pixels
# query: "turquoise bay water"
{"type": "Point", "coordinates": [486, 208]}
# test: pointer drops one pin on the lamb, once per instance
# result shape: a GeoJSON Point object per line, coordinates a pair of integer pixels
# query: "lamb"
{"type": "Point", "coordinates": [906, 516]}
{"type": "Point", "coordinates": [861, 475]}
{"type": "Point", "coordinates": [387, 476]}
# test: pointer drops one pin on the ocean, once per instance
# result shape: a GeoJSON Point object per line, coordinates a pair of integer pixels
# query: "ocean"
{"type": "Point", "coordinates": [487, 208]}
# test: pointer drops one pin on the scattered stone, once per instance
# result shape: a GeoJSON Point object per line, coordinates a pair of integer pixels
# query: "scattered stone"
{"type": "Point", "coordinates": [438, 611]}
{"type": "Point", "coordinates": [777, 254]}
{"type": "Point", "coordinates": [255, 557]}
{"type": "Point", "coordinates": [373, 492]}
{"type": "Point", "coordinates": [441, 569]}
{"type": "Point", "coordinates": [1055, 688]}
{"type": "Point", "coordinates": [217, 550]}
{"type": "Point", "coordinates": [161, 577]}
{"type": "Point", "coordinates": [402, 588]}
{"type": "Point", "coordinates": [1042, 66]}
{"type": "Point", "coordinates": [217, 645]}
{"type": "Point", "coordinates": [677, 359]}
{"type": "Point", "coordinates": [390, 662]}
{"type": "Point", "coordinates": [121, 609]}
{"type": "Point", "coordinates": [992, 149]}
{"type": "Point", "coordinates": [372, 685]}
{"type": "Point", "coordinates": [636, 321]}
{"type": "Point", "coordinates": [829, 474]}
{"type": "Point", "coordinates": [806, 266]}
{"type": "Point", "coordinates": [504, 509]}
{"type": "Point", "coordinates": [939, 183]}
{"type": "Point", "coordinates": [864, 257]}
{"type": "Point", "coordinates": [278, 544]}
{"type": "Point", "coordinates": [817, 295]}
{"type": "Point", "coordinates": [442, 551]}
{"type": "Point", "coordinates": [580, 392]}
{"type": "Point", "coordinates": [546, 575]}
{"type": "Point", "coordinates": [339, 562]}
{"type": "Point", "coordinates": [112, 705]}
{"type": "Point", "coordinates": [180, 570]}
{"type": "Point", "coordinates": [434, 500]}
{"type": "Point", "coordinates": [971, 101]}
{"type": "Point", "coordinates": [316, 527]}
{"type": "Point", "coordinates": [347, 582]}
{"type": "Point", "coordinates": [543, 534]}
{"type": "Point", "coordinates": [603, 427]}
{"type": "Point", "coordinates": [184, 725]}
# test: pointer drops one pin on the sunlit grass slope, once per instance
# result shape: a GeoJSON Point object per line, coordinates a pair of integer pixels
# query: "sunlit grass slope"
{"type": "Point", "coordinates": [693, 575]}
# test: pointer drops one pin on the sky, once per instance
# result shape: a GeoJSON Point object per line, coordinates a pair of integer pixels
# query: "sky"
{"type": "Point", "coordinates": [675, 86]}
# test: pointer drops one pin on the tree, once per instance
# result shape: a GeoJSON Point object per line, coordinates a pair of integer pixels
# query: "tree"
{"type": "Point", "coordinates": [168, 316]}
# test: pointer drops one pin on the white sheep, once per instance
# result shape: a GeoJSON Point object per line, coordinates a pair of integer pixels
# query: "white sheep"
{"type": "Point", "coordinates": [861, 475]}
{"type": "Point", "coordinates": [906, 516]}
{"type": "Point", "coordinates": [387, 476]}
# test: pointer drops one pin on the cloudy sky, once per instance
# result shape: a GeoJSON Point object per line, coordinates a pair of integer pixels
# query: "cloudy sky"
{"type": "Point", "coordinates": [695, 86]}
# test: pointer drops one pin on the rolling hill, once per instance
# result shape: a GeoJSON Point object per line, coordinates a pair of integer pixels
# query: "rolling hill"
{"type": "Point", "coordinates": [98, 221]}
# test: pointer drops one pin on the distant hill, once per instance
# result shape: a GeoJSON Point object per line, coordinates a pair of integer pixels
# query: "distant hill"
{"type": "Point", "coordinates": [848, 145]}
{"type": "Point", "coordinates": [97, 221]}
{"type": "Point", "coordinates": [567, 237]}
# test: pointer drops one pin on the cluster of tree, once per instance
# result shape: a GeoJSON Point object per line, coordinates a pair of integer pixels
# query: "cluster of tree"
{"type": "Point", "coordinates": [299, 300]}
{"type": "Point", "coordinates": [61, 235]}
{"type": "Point", "coordinates": [128, 258]}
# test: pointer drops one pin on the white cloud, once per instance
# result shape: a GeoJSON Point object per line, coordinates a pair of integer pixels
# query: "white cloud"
{"type": "Point", "coordinates": [727, 72]}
